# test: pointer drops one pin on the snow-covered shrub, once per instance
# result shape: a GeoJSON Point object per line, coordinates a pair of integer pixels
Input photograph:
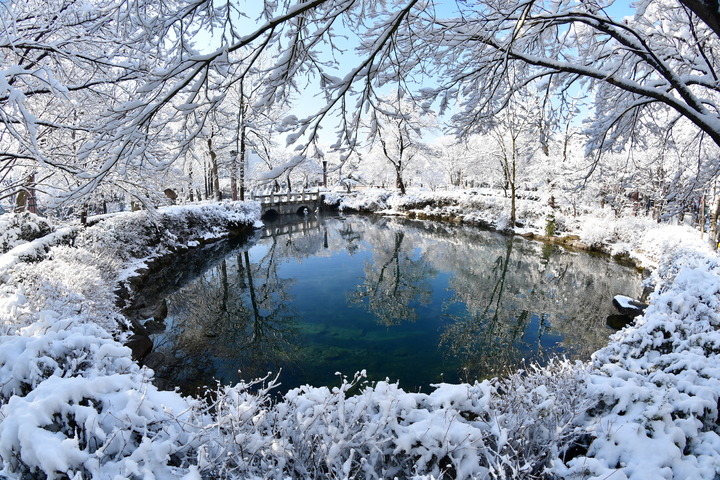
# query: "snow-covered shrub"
{"type": "Point", "coordinates": [70, 281]}
{"type": "Point", "coordinates": [368, 201]}
{"type": "Point", "coordinates": [421, 199]}
{"type": "Point", "coordinates": [19, 228]}
{"type": "Point", "coordinates": [74, 405]}
{"type": "Point", "coordinates": [331, 199]}
{"type": "Point", "coordinates": [551, 226]}
{"type": "Point", "coordinates": [659, 383]}
{"type": "Point", "coordinates": [506, 429]}
{"type": "Point", "coordinates": [640, 237]}
{"type": "Point", "coordinates": [596, 231]}
{"type": "Point", "coordinates": [538, 414]}
{"type": "Point", "coordinates": [145, 234]}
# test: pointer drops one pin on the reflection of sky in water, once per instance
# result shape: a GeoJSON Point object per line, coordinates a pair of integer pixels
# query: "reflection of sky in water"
{"type": "Point", "coordinates": [418, 303]}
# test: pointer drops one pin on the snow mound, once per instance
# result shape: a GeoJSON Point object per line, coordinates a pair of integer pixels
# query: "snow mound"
{"type": "Point", "coordinates": [658, 383]}
{"type": "Point", "coordinates": [20, 228]}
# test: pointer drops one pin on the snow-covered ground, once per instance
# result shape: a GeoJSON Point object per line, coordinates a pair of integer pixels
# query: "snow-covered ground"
{"type": "Point", "coordinates": [74, 405]}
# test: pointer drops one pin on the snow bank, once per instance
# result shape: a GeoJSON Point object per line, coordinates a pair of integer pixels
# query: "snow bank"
{"type": "Point", "coordinates": [74, 405]}
{"type": "Point", "coordinates": [658, 383]}
{"type": "Point", "coordinates": [479, 207]}
{"type": "Point", "coordinates": [72, 402]}
{"type": "Point", "coordinates": [640, 238]}
{"type": "Point", "coordinates": [144, 234]}
{"type": "Point", "coordinates": [19, 228]}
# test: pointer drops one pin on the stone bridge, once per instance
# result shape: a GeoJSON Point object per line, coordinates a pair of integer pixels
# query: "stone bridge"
{"type": "Point", "coordinates": [288, 203]}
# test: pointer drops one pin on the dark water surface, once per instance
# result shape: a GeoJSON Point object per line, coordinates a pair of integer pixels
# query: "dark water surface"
{"type": "Point", "coordinates": [416, 302]}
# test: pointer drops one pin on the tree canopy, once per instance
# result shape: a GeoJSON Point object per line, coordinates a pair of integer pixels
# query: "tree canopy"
{"type": "Point", "coordinates": [111, 92]}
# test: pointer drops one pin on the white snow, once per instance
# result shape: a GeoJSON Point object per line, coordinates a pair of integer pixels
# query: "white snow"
{"type": "Point", "coordinates": [74, 405]}
{"type": "Point", "coordinates": [623, 301]}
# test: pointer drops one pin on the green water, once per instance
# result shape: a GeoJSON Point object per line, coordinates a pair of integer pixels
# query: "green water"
{"type": "Point", "coordinates": [414, 302]}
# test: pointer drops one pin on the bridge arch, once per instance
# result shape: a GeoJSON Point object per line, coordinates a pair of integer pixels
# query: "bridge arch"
{"type": "Point", "coordinates": [303, 210]}
{"type": "Point", "coordinates": [288, 203]}
{"type": "Point", "coordinates": [269, 213]}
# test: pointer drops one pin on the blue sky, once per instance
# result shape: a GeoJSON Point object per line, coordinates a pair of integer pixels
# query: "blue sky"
{"type": "Point", "coordinates": [309, 101]}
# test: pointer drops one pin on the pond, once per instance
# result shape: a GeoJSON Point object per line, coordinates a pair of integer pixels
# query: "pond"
{"type": "Point", "coordinates": [414, 302]}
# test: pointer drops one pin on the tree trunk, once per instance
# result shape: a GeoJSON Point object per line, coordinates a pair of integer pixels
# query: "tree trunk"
{"type": "Point", "coordinates": [32, 198]}
{"type": "Point", "coordinates": [214, 176]}
{"type": "Point", "coordinates": [512, 205]}
{"type": "Point", "coordinates": [399, 180]}
{"type": "Point", "coordinates": [206, 180]}
{"type": "Point", "coordinates": [233, 176]}
{"type": "Point", "coordinates": [702, 215]}
{"type": "Point", "coordinates": [511, 175]}
{"type": "Point", "coordinates": [191, 193]}
{"type": "Point", "coordinates": [243, 155]}
{"type": "Point", "coordinates": [714, 222]}
{"type": "Point", "coordinates": [240, 148]}
{"type": "Point", "coordinates": [242, 173]}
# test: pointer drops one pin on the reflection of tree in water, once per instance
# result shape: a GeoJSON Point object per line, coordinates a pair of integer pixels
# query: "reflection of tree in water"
{"type": "Point", "coordinates": [299, 239]}
{"type": "Point", "coordinates": [514, 294]}
{"type": "Point", "coordinates": [518, 298]}
{"type": "Point", "coordinates": [394, 282]}
{"type": "Point", "coordinates": [237, 314]}
{"type": "Point", "coordinates": [350, 236]}
{"type": "Point", "coordinates": [488, 339]}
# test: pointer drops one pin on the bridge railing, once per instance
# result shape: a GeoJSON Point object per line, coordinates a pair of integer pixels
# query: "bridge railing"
{"type": "Point", "coordinates": [276, 198]}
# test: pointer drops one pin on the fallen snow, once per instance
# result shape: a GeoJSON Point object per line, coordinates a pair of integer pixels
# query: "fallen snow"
{"type": "Point", "coordinates": [623, 301]}
{"type": "Point", "coordinates": [74, 405]}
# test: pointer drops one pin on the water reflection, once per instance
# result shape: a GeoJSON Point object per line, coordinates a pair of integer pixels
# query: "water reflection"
{"type": "Point", "coordinates": [410, 301]}
{"type": "Point", "coordinates": [394, 282]}
{"type": "Point", "coordinates": [236, 316]}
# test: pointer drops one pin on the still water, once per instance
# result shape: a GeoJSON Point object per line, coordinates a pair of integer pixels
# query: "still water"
{"type": "Point", "coordinates": [414, 302]}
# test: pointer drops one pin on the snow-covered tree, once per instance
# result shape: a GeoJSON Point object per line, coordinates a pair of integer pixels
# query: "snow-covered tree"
{"type": "Point", "coordinates": [455, 158]}
{"type": "Point", "coordinates": [396, 130]}
{"type": "Point", "coordinates": [119, 75]}
{"type": "Point", "coordinates": [516, 137]}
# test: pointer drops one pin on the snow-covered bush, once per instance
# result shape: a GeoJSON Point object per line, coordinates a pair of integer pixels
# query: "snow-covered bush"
{"type": "Point", "coordinates": [70, 281]}
{"type": "Point", "coordinates": [640, 237]}
{"type": "Point", "coordinates": [658, 383]}
{"type": "Point", "coordinates": [622, 233]}
{"type": "Point", "coordinates": [144, 234]}
{"type": "Point", "coordinates": [19, 228]}
{"type": "Point", "coordinates": [371, 200]}
{"type": "Point", "coordinates": [74, 405]}
{"type": "Point", "coordinates": [504, 429]}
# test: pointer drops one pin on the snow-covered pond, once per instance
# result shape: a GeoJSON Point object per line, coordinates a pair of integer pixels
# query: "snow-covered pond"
{"type": "Point", "coordinates": [416, 302]}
